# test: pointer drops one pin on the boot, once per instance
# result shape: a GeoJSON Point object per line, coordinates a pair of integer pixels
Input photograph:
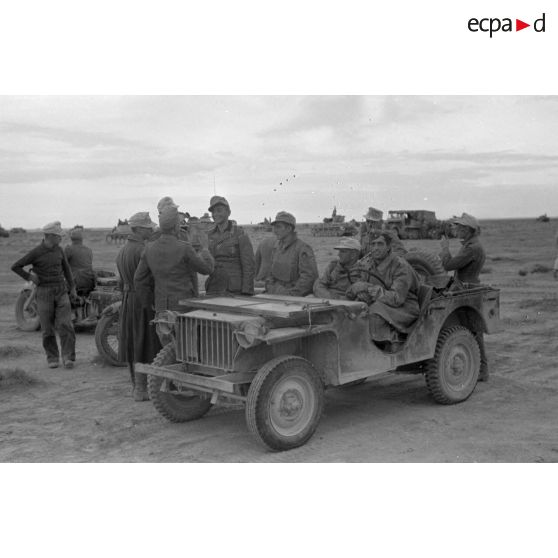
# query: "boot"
{"type": "Point", "coordinates": [140, 387]}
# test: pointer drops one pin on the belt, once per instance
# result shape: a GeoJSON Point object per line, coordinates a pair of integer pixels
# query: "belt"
{"type": "Point", "coordinates": [128, 288]}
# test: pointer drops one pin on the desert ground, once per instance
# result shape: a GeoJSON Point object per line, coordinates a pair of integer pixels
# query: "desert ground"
{"type": "Point", "coordinates": [87, 414]}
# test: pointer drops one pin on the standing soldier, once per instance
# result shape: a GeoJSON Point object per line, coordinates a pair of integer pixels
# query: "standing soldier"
{"type": "Point", "coordinates": [293, 265]}
{"type": "Point", "coordinates": [80, 258]}
{"type": "Point", "coordinates": [372, 227]}
{"type": "Point", "coordinates": [185, 232]}
{"type": "Point", "coordinates": [233, 253]}
{"type": "Point", "coordinates": [138, 341]}
{"type": "Point", "coordinates": [467, 265]}
{"type": "Point", "coordinates": [50, 268]}
{"type": "Point", "coordinates": [167, 265]}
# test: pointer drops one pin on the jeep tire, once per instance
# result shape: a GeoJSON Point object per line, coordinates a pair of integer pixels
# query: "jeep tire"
{"type": "Point", "coordinates": [452, 374]}
{"type": "Point", "coordinates": [285, 403]}
{"type": "Point", "coordinates": [175, 407]}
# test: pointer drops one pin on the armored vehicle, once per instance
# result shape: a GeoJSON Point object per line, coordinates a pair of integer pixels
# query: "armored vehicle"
{"type": "Point", "coordinates": [277, 355]}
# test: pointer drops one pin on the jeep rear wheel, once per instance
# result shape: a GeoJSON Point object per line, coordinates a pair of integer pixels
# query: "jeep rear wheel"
{"type": "Point", "coordinates": [452, 374]}
{"type": "Point", "coordinates": [175, 405]}
{"type": "Point", "coordinates": [285, 403]}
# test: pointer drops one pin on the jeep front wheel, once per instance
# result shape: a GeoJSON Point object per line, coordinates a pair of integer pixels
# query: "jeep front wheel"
{"type": "Point", "coordinates": [173, 404]}
{"type": "Point", "coordinates": [285, 403]}
{"type": "Point", "coordinates": [452, 374]}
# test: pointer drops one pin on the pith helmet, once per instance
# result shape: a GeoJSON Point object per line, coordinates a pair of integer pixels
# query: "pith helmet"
{"type": "Point", "coordinates": [218, 200]}
{"type": "Point", "coordinates": [284, 217]}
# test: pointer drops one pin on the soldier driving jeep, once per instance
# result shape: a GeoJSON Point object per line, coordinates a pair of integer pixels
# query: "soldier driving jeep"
{"type": "Point", "coordinates": [389, 285]}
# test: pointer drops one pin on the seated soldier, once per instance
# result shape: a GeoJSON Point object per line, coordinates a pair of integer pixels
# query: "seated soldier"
{"type": "Point", "coordinates": [341, 273]}
{"type": "Point", "coordinates": [467, 265]}
{"type": "Point", "coordinates": [80, 258]}
{"type": "Point", "coordinates": [389, 285]}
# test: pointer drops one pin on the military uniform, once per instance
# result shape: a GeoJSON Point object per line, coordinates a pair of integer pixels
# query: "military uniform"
{"type": "Point", "coordinates": [396, 309]}
{"type": "Point", "coordinates": [167, 265]}
{"type": "Point", "coordinates": [468, 262]}
{"type": "Point", "coordinates": [138, 341]}
{"type": "Point", "coordinates": [234, 260]}
{"type": "Point", "coordinates": [293, 268]}
{"type": "Point", "coordinates": [336, 279]}
{"type": "Point", "coordinates": [263, 257]}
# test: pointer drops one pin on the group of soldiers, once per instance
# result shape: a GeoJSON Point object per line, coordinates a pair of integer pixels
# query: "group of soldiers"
{"type": "Point", "coordinates": [160, 263]}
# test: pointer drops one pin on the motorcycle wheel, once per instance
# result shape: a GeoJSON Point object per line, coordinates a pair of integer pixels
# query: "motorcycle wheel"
{"type": "Point", "coordinates": [106, 338]}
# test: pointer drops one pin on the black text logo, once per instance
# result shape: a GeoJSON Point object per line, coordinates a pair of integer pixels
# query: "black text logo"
{"type": "Point", "coordinates": [493, 25]}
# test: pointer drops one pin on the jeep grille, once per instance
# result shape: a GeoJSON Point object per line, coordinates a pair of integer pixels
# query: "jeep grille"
{"type": "Point", "coordinates": [206, 342]}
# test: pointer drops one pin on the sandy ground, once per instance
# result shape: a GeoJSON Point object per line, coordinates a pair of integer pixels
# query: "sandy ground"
{"type": "Point", "coordinates": [87, 414]}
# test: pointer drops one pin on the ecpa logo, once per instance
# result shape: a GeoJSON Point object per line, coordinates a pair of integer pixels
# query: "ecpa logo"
{"type": "Point", "coordinates": [492, 25]}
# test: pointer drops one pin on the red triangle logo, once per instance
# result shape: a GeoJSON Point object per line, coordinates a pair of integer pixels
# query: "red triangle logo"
{"type": "Point", "coordinates": [519, 25]}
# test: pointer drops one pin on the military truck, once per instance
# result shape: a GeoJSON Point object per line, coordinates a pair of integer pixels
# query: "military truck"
{"type": "Point", "coordinates": [277, 355]}
{"type": "Point", "coordinates": [416, 224]}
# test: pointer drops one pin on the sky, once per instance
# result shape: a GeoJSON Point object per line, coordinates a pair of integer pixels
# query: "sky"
{"type": "Point", "coordinates": [91, 160]}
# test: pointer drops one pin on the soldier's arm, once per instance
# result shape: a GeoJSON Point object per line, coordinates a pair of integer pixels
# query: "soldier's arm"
{"type": "Point", "coordinates": [247, 263]}
{"type": "Point", "coordinates": [464, 257]}
{"type": "Point", "coordinates": [308, 273]}
{"type": "Point", "coordinates": [202, 262]}
{"type": "Point", "coordinates": [28, 259]}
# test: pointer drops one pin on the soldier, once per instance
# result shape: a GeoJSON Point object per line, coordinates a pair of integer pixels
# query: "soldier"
{"type": "Point", "coordinates": [186, 233]}
{"type": "Point", "coordinates": [373, 225]}
{"type": "Point", "coordinates": [233, 253]}
{"type": "Point", "coordinates": [168, 263]}
{"type": "Point", "coordinates": [341, 273]}
{"type": "Point", "coordinates": [138, 341]}
{"type": "Point", "coordinates": [293, 265]}
{"type": "Point", "coordinates": [80, 258]}
{"type": "Point", "coordinates": [467, 265]}
{"type": "Point", "coordinates": [389, 285]}
{"type": "Point", "coordinates": [50, 268]}
{"type": "Point", "coordinates": [469, 260]}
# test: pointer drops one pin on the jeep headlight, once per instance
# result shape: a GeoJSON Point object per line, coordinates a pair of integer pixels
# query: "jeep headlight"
{"type": "Point", "coordinates": [249, 334]}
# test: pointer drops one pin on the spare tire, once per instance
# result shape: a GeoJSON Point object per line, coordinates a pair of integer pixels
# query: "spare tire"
{"type": "Point", "coordinates": [426, 264]}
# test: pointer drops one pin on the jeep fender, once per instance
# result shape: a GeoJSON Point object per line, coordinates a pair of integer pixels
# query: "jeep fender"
{"type": "Point", "coordinates": [113, 308]}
